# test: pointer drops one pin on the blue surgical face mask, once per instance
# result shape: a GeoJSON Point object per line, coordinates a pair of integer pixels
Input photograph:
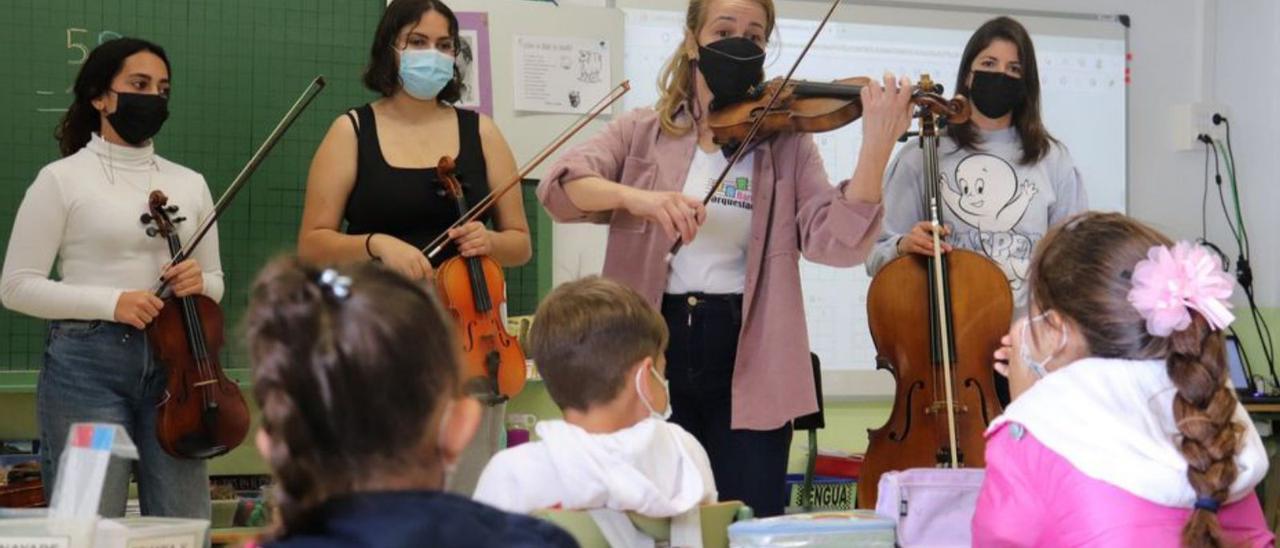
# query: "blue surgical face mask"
{"type": "Point", "coordinates": [1039, 366]}
{"type": "Point", "coordinates": [654, 414]}
{"type": "Point", "coordinates": [425, 72]}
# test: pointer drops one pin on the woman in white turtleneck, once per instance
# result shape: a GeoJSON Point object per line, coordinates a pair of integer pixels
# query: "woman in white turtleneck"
{"type": "Point", "coordinates": [84, 211]}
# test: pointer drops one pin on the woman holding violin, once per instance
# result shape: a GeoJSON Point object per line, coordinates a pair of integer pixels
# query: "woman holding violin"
{"type": "Point", "coordinates": [84, 212]}
{"type": "Point", "coordinates": [375, 172]}
{"type": "Point", "coordinates": [738, 361]}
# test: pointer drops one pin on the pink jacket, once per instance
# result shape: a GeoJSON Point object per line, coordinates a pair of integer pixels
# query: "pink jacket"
{"type": "Point", "coordinates": [772, 383]}
{"type": "Point", "coordinates": [1034, 497]}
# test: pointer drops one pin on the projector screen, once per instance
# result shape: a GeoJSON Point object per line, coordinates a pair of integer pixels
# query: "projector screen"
{"type": "Point", "coordinates": [1082, 62]}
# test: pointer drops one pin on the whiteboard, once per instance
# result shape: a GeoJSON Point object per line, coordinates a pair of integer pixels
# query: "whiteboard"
{"type": "Point", "coordinates": [1083, 92]}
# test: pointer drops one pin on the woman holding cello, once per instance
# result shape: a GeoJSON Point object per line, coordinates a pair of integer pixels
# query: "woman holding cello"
{"type": "Point", "coordinates": [375, 170]}
{"type": "Point", "coordinates": [1005, 178]}
{"type": "Point", "coordinates": [83, 211]}
{"type": "Point", "coordinates": [733, 292]}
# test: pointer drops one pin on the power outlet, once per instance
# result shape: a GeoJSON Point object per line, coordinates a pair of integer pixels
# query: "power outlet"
{"type": "Point", "coordinates": [1191, 120]}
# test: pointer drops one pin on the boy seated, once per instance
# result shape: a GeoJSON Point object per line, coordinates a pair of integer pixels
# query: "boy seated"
{"type": "Point", "coordinates": [599, 347]}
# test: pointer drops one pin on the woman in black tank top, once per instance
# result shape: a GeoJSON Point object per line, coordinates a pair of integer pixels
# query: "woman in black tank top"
{"type": "Point", "coordinates": [373, 191]}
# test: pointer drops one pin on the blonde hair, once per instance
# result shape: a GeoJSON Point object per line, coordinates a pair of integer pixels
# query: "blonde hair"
{"type": "Point", "coordinates": [675, 82]}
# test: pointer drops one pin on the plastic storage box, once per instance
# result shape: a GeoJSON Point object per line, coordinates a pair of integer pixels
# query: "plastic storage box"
{"type": "Point", "coordinates": [45, 533]}
{"type": "Point", "coordinates": [817, 530]}
{"type": "Point", "coordinates": [150, 533]}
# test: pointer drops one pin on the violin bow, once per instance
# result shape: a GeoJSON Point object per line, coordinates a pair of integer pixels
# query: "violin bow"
{"type": "Point", "coordinates": [482, 206]}
{"type": "Point", "coordinates": [304, 100]}
{"type": "Point", "coordinates": [759, 121]}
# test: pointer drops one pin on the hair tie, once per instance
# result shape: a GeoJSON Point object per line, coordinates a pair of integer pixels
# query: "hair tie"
{"type": "Point", "coordinates": [1171, 282]}
{"type": "Point", "coordinates": [1208, 504]}
{"type": "Point", "coordinates": [337, 285]}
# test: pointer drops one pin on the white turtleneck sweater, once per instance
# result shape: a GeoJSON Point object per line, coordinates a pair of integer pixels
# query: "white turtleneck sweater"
{"type": "Point", "coordinates": [84, 210]}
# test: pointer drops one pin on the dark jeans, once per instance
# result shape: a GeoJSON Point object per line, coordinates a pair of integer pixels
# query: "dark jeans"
{"type": "Point", "coordinates": [93, 373]}
{"type": "Point", "coordinates": [749, 465]}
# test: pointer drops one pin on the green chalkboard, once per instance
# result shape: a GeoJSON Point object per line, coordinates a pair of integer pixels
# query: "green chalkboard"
{"type": "Point", "coordinates": [237, 66]}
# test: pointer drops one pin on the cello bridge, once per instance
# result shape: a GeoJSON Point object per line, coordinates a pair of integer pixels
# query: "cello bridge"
{"type": "Point", "coordinates": [941, 407]}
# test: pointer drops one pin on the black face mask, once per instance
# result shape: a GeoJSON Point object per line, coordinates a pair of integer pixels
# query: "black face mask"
{"type": "Point", "coordinates": [138, 116]}
{"type": "Point", "coordinates": [731, 67]}
{"type": "Point", "coordinates": [996, 94]}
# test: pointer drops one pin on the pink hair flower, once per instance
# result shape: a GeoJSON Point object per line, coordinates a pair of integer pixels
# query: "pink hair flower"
{"type": "Point", "coordinates": [1169, 284]}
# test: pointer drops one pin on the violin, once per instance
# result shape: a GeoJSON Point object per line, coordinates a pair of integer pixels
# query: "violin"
{"type": "Point", "coordinates": [472, 289]}
{"type": "Point", "coordinates": [815, 107]}
{"type": "Point", "coordinates": [935, 321]}
{"type": "Point", "coordinates": [203, 414]}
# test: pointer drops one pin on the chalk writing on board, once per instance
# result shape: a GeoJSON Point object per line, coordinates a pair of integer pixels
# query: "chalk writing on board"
{"type": "Point", "coordinates": [77, 44]}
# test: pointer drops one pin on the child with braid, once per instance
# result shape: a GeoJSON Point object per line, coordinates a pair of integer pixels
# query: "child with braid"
{"type": "Point", "coordinates": [363, 413]}
{"type": "Point", "coordinates": [1124, 430]}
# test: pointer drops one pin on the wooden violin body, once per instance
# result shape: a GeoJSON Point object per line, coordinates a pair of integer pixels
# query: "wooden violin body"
{"type": "Point", "coordinates": [203, 413]}
{"type": "Point", "coordinates": [489, 352]}
{"type": "Point", "coordinates": [936, 321]}
{"type": "Point", "coordinates": [472, 289]}
{"type": "Point", "coordinates": [813, 107]}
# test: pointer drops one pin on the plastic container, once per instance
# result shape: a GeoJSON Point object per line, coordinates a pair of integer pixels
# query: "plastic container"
{"type": "Point", "coordinates": [817, 530]}
{"type": "Point", "coordinates": [26, 532]}
{"type": "Point", "coordinates": [150, 533]}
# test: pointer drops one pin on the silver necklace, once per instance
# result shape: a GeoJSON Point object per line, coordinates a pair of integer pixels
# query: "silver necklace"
{"type": "Point", "coordinates": [109, 168]}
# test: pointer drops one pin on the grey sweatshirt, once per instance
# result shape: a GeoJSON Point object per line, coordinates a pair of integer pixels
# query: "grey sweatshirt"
{"type": "Point", "coordinates": [993, 204]}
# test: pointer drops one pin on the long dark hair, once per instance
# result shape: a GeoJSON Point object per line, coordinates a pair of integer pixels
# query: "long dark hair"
{"type": "Point", "coordinates": [383, 73]}
{"type": "Point", "coordinates": [1082, 269]}
{"type": "Point", "coordinates": [94, 79]}
{"type": "Point", "coordinates": [1026, 117]}
{"type": "Point", "coordinates": [349, 373]}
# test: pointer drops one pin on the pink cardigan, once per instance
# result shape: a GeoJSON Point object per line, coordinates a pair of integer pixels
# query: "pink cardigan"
{"type": "Point", "coordinates": [772, 383]}
{"type": "Point", "coordinates": [1033, 497]}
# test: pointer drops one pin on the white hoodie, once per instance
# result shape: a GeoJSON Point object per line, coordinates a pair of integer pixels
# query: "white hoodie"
{"type": "Point", "coordinates": [1113, 420]}
{"type": "Point", "coordinates": [653, 468]}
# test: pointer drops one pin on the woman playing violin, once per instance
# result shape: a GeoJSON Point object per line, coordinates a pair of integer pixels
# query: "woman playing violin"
{"type": "Point", "coordinates": [375, 171]}
{"type": "Point", "coordinates": [83, 211]}
{"type": "Point", "coordinates": [738, 360]}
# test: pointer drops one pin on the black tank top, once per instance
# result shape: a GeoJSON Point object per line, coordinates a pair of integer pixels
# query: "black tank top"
{"type": "Point", "coordinates": [410, 204]}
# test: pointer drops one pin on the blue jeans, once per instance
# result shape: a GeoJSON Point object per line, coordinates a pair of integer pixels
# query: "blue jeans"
{"type": "Point", "coordinates": [749, 465]}
{"type": "Point", "coordinates": [97, 371]}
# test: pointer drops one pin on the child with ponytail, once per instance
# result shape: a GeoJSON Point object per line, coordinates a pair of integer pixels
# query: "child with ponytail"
{"type": "Point", "coordinates": [1124, 430]}
{"type": "Point", "coordinates": [363, 413]}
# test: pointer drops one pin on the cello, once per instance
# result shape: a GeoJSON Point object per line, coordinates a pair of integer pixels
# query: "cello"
{"type": "Point", "coordinates": [203, 414]}
{"type": "Point", "coordinates": [472, 289]}
{"type": "Point", "coordinates": [935, 321]}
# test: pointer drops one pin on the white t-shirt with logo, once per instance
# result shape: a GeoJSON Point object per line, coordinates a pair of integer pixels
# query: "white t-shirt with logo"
{"type": "Point", "coordinates": [716, 261]}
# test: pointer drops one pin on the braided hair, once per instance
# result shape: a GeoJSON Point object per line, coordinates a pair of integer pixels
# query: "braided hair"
{"type": "Point", "coordinates": [1083, 269]}
{"type": "Point", "coordinates": [351, 368]}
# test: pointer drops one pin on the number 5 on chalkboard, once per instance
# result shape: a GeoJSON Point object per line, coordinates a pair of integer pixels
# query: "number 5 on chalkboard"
{"type": "Point", "coordinates": [84, 51]}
